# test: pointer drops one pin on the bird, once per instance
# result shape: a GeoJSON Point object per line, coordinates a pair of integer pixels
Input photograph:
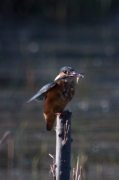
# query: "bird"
{"type": "Point", "coordinates": [57, 94]}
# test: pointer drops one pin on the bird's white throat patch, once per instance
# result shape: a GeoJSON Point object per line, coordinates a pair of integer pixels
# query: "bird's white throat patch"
{"type": "Point", "coordinates": [57, 77]}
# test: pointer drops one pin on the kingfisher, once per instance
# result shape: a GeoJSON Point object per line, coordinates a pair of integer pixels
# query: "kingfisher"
{"type": "Point", "coordinates": [57, 94]}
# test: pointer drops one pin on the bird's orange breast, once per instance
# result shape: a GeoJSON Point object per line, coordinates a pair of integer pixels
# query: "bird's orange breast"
{"type": "Point", "coordinates": [56, 100]}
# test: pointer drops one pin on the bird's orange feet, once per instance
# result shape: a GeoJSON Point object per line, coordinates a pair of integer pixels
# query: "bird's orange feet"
{"type": "Point", "coordinates": [57, 114]}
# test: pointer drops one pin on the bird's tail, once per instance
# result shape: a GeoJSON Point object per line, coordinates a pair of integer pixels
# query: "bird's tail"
{"type": "Point", "coordinates": [50, 120]}
{"type": "Point", "coordinates": [49, 126]}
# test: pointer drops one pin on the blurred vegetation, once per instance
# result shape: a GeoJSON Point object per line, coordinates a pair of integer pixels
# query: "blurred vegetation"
{"type": "Point", "coordinates": [62, 10]}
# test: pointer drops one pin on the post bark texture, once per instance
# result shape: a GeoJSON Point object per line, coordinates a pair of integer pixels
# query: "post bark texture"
{"type": "Point", "coordinates": [63, 146]}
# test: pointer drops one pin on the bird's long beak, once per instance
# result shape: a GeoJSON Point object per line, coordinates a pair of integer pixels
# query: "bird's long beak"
{"type": "Point", "coordinates": [74, 74]}
{"type": "Point", "coordinates": [77, 76]}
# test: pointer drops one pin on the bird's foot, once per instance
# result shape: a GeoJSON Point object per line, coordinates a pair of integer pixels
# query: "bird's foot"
{"type": "Point", "coordinates": [57, 114]}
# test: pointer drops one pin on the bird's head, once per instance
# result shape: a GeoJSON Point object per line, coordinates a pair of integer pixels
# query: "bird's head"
{"type": "Point", "coordinates": [67, 72]}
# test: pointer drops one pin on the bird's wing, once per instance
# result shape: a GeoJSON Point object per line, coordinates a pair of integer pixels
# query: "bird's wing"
{"type": "Point", "coordinates": [40, 94]}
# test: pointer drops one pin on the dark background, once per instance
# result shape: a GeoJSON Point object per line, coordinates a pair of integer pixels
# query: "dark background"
{"type": "Point", "coordinates": [37, 38]}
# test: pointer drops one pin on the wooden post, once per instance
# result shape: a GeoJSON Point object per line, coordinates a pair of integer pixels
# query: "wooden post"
{"type": "Point", "coordinates": [63, 146]}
